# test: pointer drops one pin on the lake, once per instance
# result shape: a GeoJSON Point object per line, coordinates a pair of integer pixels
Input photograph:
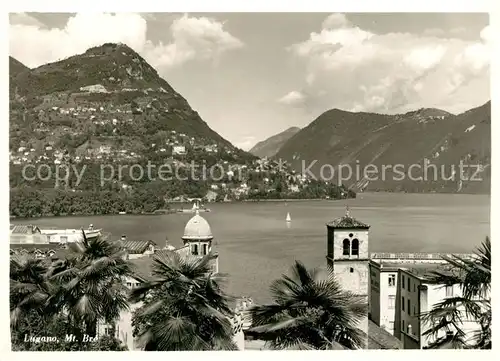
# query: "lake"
{"type": "Point", "coordinates": [256, 246]}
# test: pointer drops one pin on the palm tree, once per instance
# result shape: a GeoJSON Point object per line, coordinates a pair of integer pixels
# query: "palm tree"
{"type": "Point", "coordinates": [184, 307]}
{"type": "Point", "coordinates": [310, 311]}
{"type": "Point", "coordinates": [474, 278]}
{"type": "Point", "coordinates": [90, 283]}
{"type": "Point", "coordinates": [30, 289]}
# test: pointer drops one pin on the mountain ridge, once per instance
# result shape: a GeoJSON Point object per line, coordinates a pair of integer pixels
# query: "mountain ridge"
{"type": "Point", "coordinates": [270, 146]}
{"type": "Point", "coordinates": [338, 137]}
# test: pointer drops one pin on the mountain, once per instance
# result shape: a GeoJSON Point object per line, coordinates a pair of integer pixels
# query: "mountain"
{"type": "Point", "coordinates": [16, 67]}
{"type": "Point", "coordinates": [397, 149]}
{"type": "Point", "coordinates": [107, 96]}
{"type": "Point", "coordinates": [271, 146]}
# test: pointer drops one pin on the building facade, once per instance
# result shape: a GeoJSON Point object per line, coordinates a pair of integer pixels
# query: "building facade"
{"type": "Point", "coordinates": [383, 290]}
{"type": "Point", "coordinates": [402, 292]}
{"type": "Point", "coordinates": [27, 234]}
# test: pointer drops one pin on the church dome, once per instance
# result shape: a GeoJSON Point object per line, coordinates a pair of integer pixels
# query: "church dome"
{"type": "Point", "coordinates": [197, 228]}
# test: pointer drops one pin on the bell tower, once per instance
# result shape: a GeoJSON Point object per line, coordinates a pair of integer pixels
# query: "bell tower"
{"type": "Point", "coordinates": [347, 255]}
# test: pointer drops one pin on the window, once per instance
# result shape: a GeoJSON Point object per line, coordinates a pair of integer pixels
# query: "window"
{"type": "Point", "coordinates": [409, 306]}
{"type": "Point", "coordinates": [403, 326]}
{"type": "Point", "coordinates": [129, 284]}
{"type": "Point", "coordinates": [205, 251]}
{"type": "Point", "coordinates": [109, 330]}
{"type": "Point", "coordinates": [403, 281]}
{"type": "Point", "coordinates": [346, 247]}
{"type": "Point", "coordinates": [449, 291]}
{"type": "Point", "coordinates": [351, 270]}
{"type": "Point", "coordinates": [355, 247]}
{"type": "Point", "coordinates": [392, 280]}
{"type": "Point", "coordinates": [403, 303]}
{"type": "Point", "coordinates": [195, 249]}
{"type": "Point", "coordinates": [391, 326]}
{"type": "Point", "coordinates": [392, 302]}
{"type": "Point", "coordinates": [409, 284]}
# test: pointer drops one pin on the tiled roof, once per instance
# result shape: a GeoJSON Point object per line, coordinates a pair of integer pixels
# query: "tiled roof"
{"type": "Point", "coordinates": [34, 246]}
{"type": "Point", "coordinates": [142, 268]}
{"type": "Point", "coordinates": [347, 222]}
{"type": "Point", "coordinates": [22, 228]}
{"type": "Point", "coordinates": [54, 251]}
{"type": "Point", "coordinates": [136, 247]}
{"type": "Point", "coordinates": [380, 339]}
{"type": "Point", "coordinates": [420, 270]}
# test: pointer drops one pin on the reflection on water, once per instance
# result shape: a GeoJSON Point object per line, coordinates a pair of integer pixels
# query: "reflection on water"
{"type": "Point", "coordinates": [256, 245]}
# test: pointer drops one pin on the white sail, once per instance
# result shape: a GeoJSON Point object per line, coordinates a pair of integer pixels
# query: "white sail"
{"type": "Point", "coordinates": [288, 218]}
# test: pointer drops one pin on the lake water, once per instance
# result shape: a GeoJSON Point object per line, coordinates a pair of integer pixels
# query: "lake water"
{"type": "Point", "coordinates": [256, 246]}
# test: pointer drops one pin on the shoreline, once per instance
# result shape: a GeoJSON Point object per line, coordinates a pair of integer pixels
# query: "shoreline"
{"type": "Point", "coordinates": [162, 212]}
{"type": "Point", "coordinates": [289, 200]}
{"type": "Point", "coordinates": [359, 195]}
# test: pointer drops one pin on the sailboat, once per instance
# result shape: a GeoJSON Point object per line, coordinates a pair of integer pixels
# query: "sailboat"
{"type": "Point", "coordinates": [288, 218]}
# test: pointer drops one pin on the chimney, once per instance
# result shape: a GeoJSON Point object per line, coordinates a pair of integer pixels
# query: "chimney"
{"type": "Point", "coordinates": [124, 238]}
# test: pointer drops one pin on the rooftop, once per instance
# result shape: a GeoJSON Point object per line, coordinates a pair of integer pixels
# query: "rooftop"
{"type": "Point", "coordinates": [23, 229]}
{"type": "Point", "coordinates": [380, 339]}
{"type": "Point", "coordinates": [197, 228]}
{"type": "Point", "coordinates": [142, 268]}
{"type": "Point", "coordinates": [54, 251]}
{"type": "Point", "coordinates": [347, 222]}
{"type": "Point", "coordinates": [136, 247]}
{"type": "Point", "coordinates": [420, 270]}
{"type": "Point", "coordinates": [415, 256]}
{"type": "Point", "coordinates": [34, 246]}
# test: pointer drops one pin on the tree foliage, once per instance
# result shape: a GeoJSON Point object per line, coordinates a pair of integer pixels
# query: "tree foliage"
{"type": "Point", "coordinates": [68, 297]}
{"type": "Point", "coordinates": [184, 307]}
{"type": "Point", "coordinates": [474, 304]}
{"type": "Point", "coordinates": [310, 311]}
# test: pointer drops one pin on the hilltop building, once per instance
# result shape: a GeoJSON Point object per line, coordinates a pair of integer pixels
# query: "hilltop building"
{"type": "Point", "coordinates": [179, 150]}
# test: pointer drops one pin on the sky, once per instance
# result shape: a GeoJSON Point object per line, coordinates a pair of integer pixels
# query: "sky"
{"type": "Point", "coordinates": [252, 75]}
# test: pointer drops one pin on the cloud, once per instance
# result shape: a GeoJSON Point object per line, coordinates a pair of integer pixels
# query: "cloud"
{"type": "Point", "coordinates": [201, 38]}
{"type": "Point", "coordinates": [355, 69]}
{"type": "Point", "coordinates": [293, 98]}
{"type": "Point", "coordinates": [24, 19]}
{"type": "Point", "coordinates": [192, 38]}
{"type": "Point", "coordinates": [334, 21]}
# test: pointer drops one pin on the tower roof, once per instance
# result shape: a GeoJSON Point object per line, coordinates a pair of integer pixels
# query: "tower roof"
{"type": "Point", "coordinates": [197, 228]}
{"type": "Point", "coordinates": [347, 222]}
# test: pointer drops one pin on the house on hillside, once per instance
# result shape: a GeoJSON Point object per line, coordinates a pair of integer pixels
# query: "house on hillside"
{"type": "Point", "coordinates": [179, 150]}
{"type": "Point", "coordinates": [211, 196]}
